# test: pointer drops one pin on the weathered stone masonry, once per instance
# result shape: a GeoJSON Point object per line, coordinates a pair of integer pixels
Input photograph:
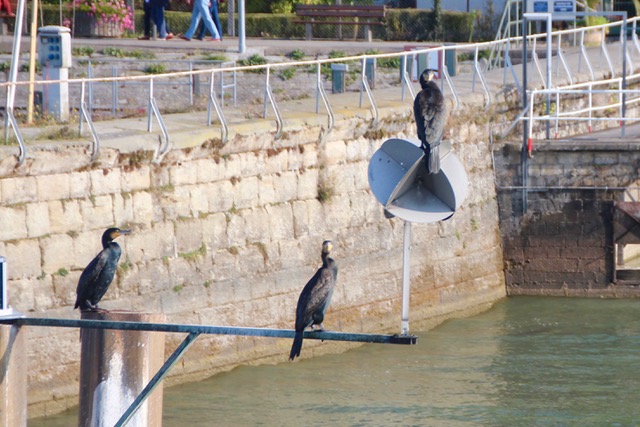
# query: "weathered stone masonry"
{"type": "Point", "coordinates": [229, 235]}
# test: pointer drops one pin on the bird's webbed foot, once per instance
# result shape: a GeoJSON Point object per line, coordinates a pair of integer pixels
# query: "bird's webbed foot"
{"type": "Point", "coordinates": [94, 308]}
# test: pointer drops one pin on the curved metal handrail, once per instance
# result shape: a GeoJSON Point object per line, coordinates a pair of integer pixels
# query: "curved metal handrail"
{"type": "Point", "coordinates": [482, 80]}
{"type": "Point", "coordinates": [269, 95]}
{"type": "Point", "coordinates": [163, 146]}
{"type": "Point", "coordinates": [325, 99]}
{"type": "Point", "coordinates": [11, 122]}
{"type": "Point", "coordinates": [213, 101]}
{"type": "Point", "coordinates": [365, 84]}
{"type": "Point", "coordinates": [84, 114]}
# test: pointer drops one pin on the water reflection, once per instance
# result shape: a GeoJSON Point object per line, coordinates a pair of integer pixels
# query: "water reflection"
{"type": "Point", "coordinates": [525, 362]}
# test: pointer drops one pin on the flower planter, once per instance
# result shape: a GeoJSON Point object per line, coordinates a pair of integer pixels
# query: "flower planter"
{"type": "Point", "coordinates": [89, 26]}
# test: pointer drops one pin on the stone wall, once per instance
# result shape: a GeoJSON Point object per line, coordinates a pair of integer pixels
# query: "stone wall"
{"type": "Point", "coordinates": [229, 235]}
{"type": "Point", "coordinates": [558, 236]}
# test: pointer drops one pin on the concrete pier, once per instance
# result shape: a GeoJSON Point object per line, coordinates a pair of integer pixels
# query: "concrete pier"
{"type": "Point", "coordinates": [115, 366]}
{"type": "Point", "coordinates": [13, 376]}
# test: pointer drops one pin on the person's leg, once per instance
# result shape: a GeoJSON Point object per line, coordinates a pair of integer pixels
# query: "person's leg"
{"type": "Point", "coordinates": [206, 16]}
{"type": "Point", "coordinates": [146, 6]}
{"type": "Point", "coordinates": [215, 17]}
{"type": "Point", "coordinates": [157, 14]}
{"type": "Point", "coordinates": [200, 32]}
{"type": "Point", "coordinates": [6, 5]}
{"type": "Point", "coordinates": [195, 20]}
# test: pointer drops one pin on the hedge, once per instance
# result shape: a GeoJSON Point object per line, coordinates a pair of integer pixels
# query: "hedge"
{"type": "Point", "coordinates": [401, 24]}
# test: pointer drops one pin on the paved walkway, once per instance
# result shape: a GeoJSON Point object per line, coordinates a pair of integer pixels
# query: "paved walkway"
{"type": "Point", "coordinates": [189, 129]}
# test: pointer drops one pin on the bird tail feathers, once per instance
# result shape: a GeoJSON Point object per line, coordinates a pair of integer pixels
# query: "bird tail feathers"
{"type": "Point", "coordinates": [432, 154]}
{"type": "Point", "coordinates": [297, 345]}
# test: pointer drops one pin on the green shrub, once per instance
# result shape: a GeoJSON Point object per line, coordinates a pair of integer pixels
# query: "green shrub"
{"type": "Point", "coordinates": [155, 69]}
{"type": "Point", "coordinates": [287, 73]}
{"type": "Point", "coordinates": [296, 55]}
{"type": "Point", "coordinates": [83, 51]}
{"type": "Point", "coordinates": [254, 59]}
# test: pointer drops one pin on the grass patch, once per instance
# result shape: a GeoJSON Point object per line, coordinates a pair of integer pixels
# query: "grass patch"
{"type": "Point", "coordinates": [62, 272]}
{"type": "Point", "coordinates": [155, 69]}
{"type": "Point", "coordinates": [254, 59]}
{"type": "Point", "coordinates": [193, 255]}
{"type": "Point", "coordinates": [62, 133]}
{"type": "Point", "coordinates": [296, 55]}
{"type": "Point", "coordinates": [325, 193]}
{"type": "Point", "coordinates": [83, 51]}
{"type": "Point", "coordinates": [287, 73]}
{"type": "Point", "coordinates": [215, 57]}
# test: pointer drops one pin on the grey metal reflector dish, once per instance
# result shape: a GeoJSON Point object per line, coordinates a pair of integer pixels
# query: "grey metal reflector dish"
{"type": "Point", "coordinates": [398, 179]}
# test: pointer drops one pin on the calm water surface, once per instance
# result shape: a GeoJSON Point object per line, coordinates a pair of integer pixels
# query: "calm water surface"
{"type": "Point", "coordinates": [526, 362]}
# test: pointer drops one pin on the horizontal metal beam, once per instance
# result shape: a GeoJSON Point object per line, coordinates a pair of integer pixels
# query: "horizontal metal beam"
{"type": "Point", "coordinates": [215, 330]}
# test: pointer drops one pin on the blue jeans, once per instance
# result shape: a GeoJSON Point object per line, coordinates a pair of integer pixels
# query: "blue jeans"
{"type": "Point", "coordinates": [201, 11]}
{"type": "Point", "coordinates": [157, 15]}
{"type": "Point", "coordinates": [216, 20]}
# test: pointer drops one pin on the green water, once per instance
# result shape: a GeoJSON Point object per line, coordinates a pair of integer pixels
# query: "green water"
{"type": "Point", "coordinates": [525, 362]}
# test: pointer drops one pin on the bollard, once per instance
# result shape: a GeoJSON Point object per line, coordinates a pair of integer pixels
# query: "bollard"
{"type": "Point", "coordinates": [338, 77]}
{"type": "Point", "coordinates": [13, 376]}
{"type": "Point", "coordinates": [115, 365]}
{"type": "Point", "coordinates": [371, 72]}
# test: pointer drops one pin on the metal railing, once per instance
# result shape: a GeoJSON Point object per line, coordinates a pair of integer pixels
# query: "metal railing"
{"type": "Point", "coordinates": [194, 331]}
{"type": "Point", "coordinates": [152, 85]}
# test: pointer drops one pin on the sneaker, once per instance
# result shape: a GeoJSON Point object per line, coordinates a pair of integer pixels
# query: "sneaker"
{"type": "Point", "coordinates": [184, 37]}
{"type": "Point", "coordinates": [199, 38]}
{"type": "Point", "coordinates": [169, 36]}
{"type": "Point", "coordinates": [144, 38]}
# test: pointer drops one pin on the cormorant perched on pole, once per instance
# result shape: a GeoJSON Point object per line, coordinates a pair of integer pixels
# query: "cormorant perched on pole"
{"type": "Point", "coordinates": [430, 114]}
{"type": "Point", "coordinates": [315, 298]}
{"type": "Point", "coordinates": [98, 274]}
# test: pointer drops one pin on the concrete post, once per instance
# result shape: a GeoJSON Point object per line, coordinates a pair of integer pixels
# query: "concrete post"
{"type": "Point", "coordinates": [13, 376]}
{"type": "Point", "coordinates": [115, 366]}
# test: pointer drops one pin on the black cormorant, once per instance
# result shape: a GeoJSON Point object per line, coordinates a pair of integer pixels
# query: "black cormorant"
{"type": "Point", "coordinates": [315, 298]}
{"type": "Point", "coordinates": [430, 114]}
{"type": "Point", "coordinates": [97, 276]}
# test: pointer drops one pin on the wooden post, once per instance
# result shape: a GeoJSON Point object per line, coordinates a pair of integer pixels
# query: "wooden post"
{"type": "Point", "coordinates": [115, 365]}
{"type": "Point", "coordinates": [13, 376]}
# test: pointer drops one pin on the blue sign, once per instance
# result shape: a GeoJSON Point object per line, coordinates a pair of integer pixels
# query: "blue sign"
{"type": "Point", "coordinates": [564, 6]}
{"type": "Point", "coordinates": [541, 6]}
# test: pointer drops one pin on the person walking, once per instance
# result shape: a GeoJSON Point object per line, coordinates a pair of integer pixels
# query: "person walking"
{"type": "Point", "coordinates": [216, 19]}
{"type": "Point", "coordinates": [154, 11]}
{"type": "Point", "coordinates": [157, 15]}
{"type": "Point", "coordinates": [5, 6]}
{"type": "Point", "coordinates": [201, 11]}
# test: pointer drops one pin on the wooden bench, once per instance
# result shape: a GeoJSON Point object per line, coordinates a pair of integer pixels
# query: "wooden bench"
{"type": "Point", "coordinates": [323, 14]}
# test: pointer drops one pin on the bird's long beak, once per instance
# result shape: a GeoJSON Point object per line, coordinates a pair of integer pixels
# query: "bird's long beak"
{"type": "Point", "coordinates": [124, 232]}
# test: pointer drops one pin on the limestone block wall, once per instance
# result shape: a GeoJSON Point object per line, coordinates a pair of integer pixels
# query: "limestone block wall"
{"type": "Point", "coordinates": [229, 235]}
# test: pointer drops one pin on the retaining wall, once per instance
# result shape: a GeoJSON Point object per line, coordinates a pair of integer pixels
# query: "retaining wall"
{"type": "Point", "coordinates": [229, 235]}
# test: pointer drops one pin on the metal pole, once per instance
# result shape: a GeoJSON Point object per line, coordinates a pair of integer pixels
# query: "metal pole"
{"type": "Point", "coordinates": [242, 47]}
{"type": "Point", "coordinates": [32, 61]}
{"type": "Point", "coordinates": [406, 269]}
{"type": "Point", "coordinates": [525, 124]}
{"type": "Point", "coordinates": [624, 74]}
{"type": "Point", "coordinates": [549, 43]}
{"type": "Point", "coordinates": [15, 55]}
{"type": "Point", "coordinates": [3, 284]}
